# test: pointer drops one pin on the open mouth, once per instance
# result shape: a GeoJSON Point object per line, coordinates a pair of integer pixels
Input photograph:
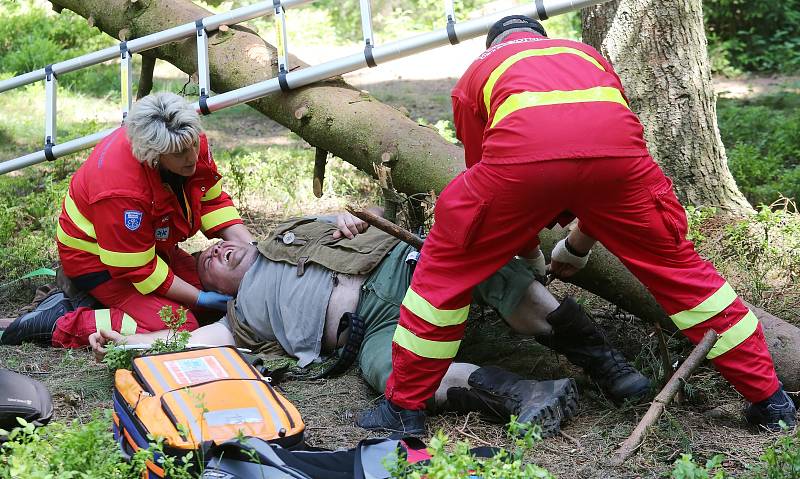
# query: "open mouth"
{"type": "Point", "coordinates": [228, 255]}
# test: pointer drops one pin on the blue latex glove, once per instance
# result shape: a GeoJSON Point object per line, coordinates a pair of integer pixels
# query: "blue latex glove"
{"type": "Point", "coordinates": [213, 300]}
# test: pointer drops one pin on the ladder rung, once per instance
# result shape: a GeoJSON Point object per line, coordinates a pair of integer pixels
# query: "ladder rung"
{"type": "Point", "coordinates": [282, 44]}
{"type": "Point", "coordinates": [50, 109]}
{"type": "Point", "coordinates": [126, 79]}
{"type": "Point", "coordinates": [203, 71]}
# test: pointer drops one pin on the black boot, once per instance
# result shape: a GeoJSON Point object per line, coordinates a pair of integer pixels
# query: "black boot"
{"type": "Point", "coordinates": [499, 394]}
{"type": "Point", "coordinates": [578, 338]}
{"type": "Point", "coordinates": [388, 417]}
{"type": "Point", "coordinates": [37, 326]}
{"type": "Point", "coordinates": [770, 412]}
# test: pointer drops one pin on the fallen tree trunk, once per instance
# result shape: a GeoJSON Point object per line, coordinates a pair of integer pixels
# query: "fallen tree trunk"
{"type": "Point", "coordinates": [355, 127]}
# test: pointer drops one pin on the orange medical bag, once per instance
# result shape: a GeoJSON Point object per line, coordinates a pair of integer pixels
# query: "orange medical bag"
{"type": "Point", "coordinates": [197, 398]}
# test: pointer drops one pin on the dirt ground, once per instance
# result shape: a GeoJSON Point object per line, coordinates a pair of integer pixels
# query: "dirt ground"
{"type": "Point", "coordinates": [706, 423]}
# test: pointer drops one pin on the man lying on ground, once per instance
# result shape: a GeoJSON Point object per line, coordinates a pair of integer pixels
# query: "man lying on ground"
{"type": "Point", "coordinates": [295, 287]}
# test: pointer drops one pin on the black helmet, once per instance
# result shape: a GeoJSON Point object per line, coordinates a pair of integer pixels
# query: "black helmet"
{"type": "Point", "coordinates": [510, 22]}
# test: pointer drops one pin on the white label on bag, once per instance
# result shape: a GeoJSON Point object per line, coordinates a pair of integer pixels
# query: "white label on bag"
{"type": "Point", "coordinates": [224, 417]}
{"type": "Point", "coordinates": [195, 370]}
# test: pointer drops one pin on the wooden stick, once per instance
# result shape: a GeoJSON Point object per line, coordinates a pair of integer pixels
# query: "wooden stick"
{"type": "Point", "coordinates": [664, 397]}
{"type": "Point", "coordinates": [387, 227]}
{"type": "Point", "coordinates": [320, 160]}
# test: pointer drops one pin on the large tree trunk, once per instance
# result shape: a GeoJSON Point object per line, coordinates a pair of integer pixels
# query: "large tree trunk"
{"type": "Point", "coordinates": [362, 131]}
{"type": "Point", "coordinates": [659, 52]}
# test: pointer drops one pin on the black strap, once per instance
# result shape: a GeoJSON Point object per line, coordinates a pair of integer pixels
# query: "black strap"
{"type": "Point", "coordinates": [451, 31]}
{"type": "Point", "coordinates": [48, 149]}
{"type": "Point", "coordinates": [204, 102]}
{"type": "Point", "coordinates": [368, 55]}
{"type": "Point", "coordinates": [198, 26]}
{"type": "Point", "coordinates": [123, 49]}
{"type": "Point", "coordinates": [540, 11]}
{"type": "Point", "coordinates": [349, 353]}
{"type": "Point", "coordinates": [48, 72]}
{"type": "Point", "coordinates": [282, 81]}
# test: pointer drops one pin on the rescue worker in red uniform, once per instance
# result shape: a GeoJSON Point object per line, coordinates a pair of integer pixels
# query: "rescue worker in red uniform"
{"type": "Point", "coordinates": [547, 130]}
{"type": "Point", "coordinates": [149, 185]}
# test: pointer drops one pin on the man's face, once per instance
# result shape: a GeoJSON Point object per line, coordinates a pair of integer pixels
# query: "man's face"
{"type": "Point", "coordinates": [222, 266]}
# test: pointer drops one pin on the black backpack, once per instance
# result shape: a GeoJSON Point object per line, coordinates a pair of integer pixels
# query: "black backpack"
{"type": "Point", "coordinates": [254, 458]}
{"type": "Point", "coordinates": [21, 396]}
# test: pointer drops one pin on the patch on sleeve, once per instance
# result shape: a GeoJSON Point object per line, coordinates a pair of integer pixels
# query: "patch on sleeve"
{"type": "Point", "coordinates": [162, 234]}
{"type": "Point", "coordinates": [133, 219]}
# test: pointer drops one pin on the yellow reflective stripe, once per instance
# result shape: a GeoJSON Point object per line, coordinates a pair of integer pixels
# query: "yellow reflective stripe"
{"type": "Point", "coordinates": [102, 319]}
{"type": "Point", "coordinates": [735, 335]}
{"type": "Point", "coordinates": [77, 218]}
{"type": "Point", "coordinates": [529, 99]}
{"type": "Point", "coordinates": [76, 243]}
{"type": "Point", "coordinates": [127, 260]}
{"type": "Point", "coordinates": [152, 282]}
{"type": "Point", "coordinates": [438, 317]}
{"type": "Point", "coordinates": [539, 52]}
{"type": "Point", "coordinates": [713, 305]}
{"type": "Point", "coordinates": [425, 347]}
{"type": "Point", "coordinates": [217, 217]}
{"type": "Point", "coordinates": [128, 325]}
{"type": "Point", "coordinates": [213, 192]}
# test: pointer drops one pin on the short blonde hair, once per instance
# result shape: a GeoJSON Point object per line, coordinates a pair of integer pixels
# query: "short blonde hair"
{"type": "Point", "coordinates": [162, 123]}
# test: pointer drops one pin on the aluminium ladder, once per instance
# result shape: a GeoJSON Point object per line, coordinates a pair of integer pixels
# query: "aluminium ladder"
{"type": "Point", "coordinates": [286, 80]}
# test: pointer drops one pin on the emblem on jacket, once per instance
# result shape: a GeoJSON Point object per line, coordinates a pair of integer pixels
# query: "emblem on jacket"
{"type": "Point", "coordinates": [162, 233]}
{"type": "Point", "coordinates": [133, 219]}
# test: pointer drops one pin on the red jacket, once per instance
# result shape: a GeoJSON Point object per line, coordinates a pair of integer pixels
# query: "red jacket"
{"type": "Point", "coordinates": [119, 217]}
{"type": "Point", "coordinates": [531, 98]}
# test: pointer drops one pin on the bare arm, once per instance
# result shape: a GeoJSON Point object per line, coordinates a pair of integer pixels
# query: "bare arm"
{"type": "Point", "coordinates": [214, 334]}
{"type": "Point", "coordinates": [182, 292]}
{"type": "Point", "coordinates": [237, 232]}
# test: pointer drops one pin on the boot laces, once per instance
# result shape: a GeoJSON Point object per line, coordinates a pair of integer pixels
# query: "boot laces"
{"type": "Point", "coordinates": [616, 366]}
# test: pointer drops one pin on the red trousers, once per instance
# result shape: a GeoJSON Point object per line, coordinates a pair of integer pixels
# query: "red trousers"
{"type": "Point", "coordinates": [129, 310]}
{"type": "Point", "coordinates": [493, 211]}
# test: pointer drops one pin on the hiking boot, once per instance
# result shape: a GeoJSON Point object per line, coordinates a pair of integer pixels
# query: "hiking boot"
{"type": "Point", "coordinates": [578, 338]}
{"type": "Point", "coordinates": [768, 413]}
{"type": "Point", "coordinates": [499, 394]}
{"type": "Point", "coordinates": [388, 417]}
{"type": "Point", "coordinates": [37, 326]}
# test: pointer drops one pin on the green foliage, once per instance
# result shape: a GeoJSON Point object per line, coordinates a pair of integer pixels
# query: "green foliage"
{"type": "Point", "coordinates": [696, 217]}
{"type": "Point", "coordinates": [29, 206]}
{"type": "Point", "coordinates": [120, 358]}
{"type": "Point", "coordinates": [32, 37]}
{"type": "Point", "coordinates": [765, 249]}
{"type": "Point", "coordinates": [280, 175]}
{"type": "Point", "coordinates": [65, 451]}
{"type": "Point", "coordinates": [391, 16]}
{"type": "Point", "coordinates": [765, 160]}
{"type": "Point", "coordinates": [781, 460]}
{"type": "Point", "coordinates": [444, 127]}
{"type": "Point", "coordinates": [460, 463]}
{"type": "Point", "coordinates": [686, 468]}
{"type": "Point", "coordinates": [754, 36]}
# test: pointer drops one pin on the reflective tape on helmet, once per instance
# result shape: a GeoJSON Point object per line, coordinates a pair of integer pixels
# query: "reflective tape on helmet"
{"type": "Point", "coordinates": [217, 217]}
{"type": "Point", "coordinates": [529, 99]}
{"type": "Point", "coordinates": [127, 260]}
{"type": "Point", "coordinates": [710, 307]}
{"type": "Point", "coordinates": [425, 347]}
{"type": "Point", "coordinates": [537, 52]}
{"type": "Point", "coordinates": [77, 218]}
{"type": "Point", "coordinates": [431, 314]}
{"type": "Point", "coordinates": [156, 278]}
{"type": "Point", "coordinates": [213, 192]}
{"type": "Point", "coordinates": [735, 335]}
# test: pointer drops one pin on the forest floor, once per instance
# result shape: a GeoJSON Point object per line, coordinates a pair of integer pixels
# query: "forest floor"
{"type": "Point", "coordinates": [706, 423]}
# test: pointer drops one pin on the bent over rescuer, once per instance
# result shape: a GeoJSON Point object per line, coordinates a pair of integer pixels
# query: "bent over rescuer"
{"type": "Point", "coordinates": [547, 130]}
{"type": "Point", "coordinates": [149, 185]}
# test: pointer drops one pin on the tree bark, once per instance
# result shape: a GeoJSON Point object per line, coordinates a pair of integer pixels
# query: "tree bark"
{"type": "Point", "coordinates": [659, 52]}
{"type": "Point", "coordinates": [338, 118]}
